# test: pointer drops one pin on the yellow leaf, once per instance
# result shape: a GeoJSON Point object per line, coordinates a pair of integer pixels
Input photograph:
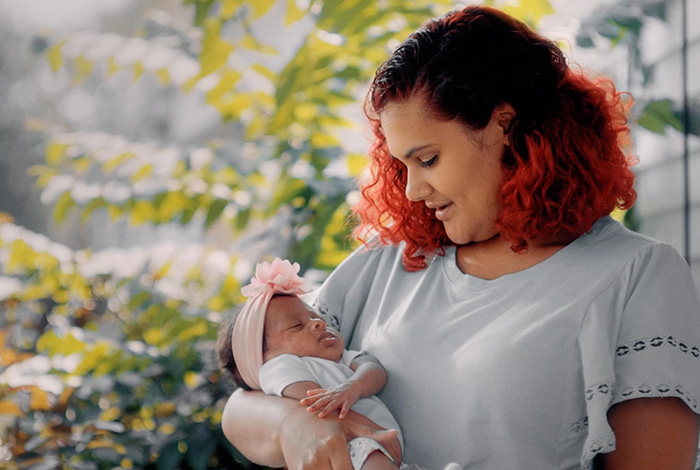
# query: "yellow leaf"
{"type": "Point", "coordinates": [153, 336]}
{"type": "Point", "coordinates": [294, 14]}
{"type": "Point", "coordinates": [249, 42]}
{"type": "Point", "coordinates": [83, 68]}
{"type": "Point", "coordinates": [228, 8]}
{"type": "Point", "coordinates": [22, 256]}
{"type": "Point", "coordinates": [196, 330]}
{"type": "Point", "coordinates": [92, 359]}
{"type": "Point", "coordinates": [56, 153]}
{"type": "Point", "coordinates": [55, 57]}
{"type": "Point", "coordinates": [111, 414]}
{"type": "Point", "coordinates": [215, 51]}
{"type": "Point", "coordinates": [264, 71]}
{"type": "Point", "coordinates": [260, 7]}
{"type": "Point", "coordinates": [98, 442]}
{"type": "Point", "coordinates": [192, 379]}
{"type": "Point", "coordinates": [143, 172]}
{"type": "Point", "coordinates": [164, 409]}
{"type": "Point", "coordinates": [114, 162]}
{"type": "Point", "coordinates": [305, 112]}
{"type": "Point", "coordinates": [228, 80]}
{"type": "Point", "coordinates": [10, 408]}
{"type": "Point", "coordinates": [141, 213]}
{"type": "Point", "coordinates": [173, 203]}
{"type": "Point", "coordinates": [323, 140]}
{"type": "Point", "coordinates": [529, 11]}
{"type": "Point", "coordinates": [138, 70]}
{"type": "Point", "coordinates": [356, 163]}
{"type": "Point", "coordinates": [39, 400]}
{"type": "Point", "coordinates": [163, 76]}
{"type": "Point", "coordinates": [112, 67]}
{"type": "Point", "coordinates": [114, 212]}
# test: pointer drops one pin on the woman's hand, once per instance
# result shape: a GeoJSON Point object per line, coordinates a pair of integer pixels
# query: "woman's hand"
{"type": "Point", "coordinates": [324, 401]}
{"type": "Point", "coordinates": [323, 443]}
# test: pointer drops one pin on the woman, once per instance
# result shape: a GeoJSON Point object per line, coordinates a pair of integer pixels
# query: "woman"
{"type": "Point", "coordinates": [520, 326]}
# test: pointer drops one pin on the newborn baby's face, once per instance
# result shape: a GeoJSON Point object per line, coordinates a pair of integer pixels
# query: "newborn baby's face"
{"type": "Point", "coordinates": [292, 328]}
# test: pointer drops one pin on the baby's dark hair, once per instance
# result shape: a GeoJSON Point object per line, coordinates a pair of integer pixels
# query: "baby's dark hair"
{"type": "Point", "coordinates": [224, 349]}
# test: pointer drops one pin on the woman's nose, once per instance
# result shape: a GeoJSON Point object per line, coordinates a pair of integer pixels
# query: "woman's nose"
{"type": "Point", "coordinates": [416, 188]}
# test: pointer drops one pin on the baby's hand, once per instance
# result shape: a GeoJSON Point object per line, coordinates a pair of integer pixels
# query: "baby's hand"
{"type": "Point", "coordinates": [324, 401]}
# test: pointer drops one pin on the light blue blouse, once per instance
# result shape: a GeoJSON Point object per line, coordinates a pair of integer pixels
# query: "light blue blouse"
{"type": "Point", "coordinates": [519, 372]}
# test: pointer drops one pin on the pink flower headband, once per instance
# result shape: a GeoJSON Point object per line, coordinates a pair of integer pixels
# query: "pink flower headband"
{"type": "Point", "coordinates": [278, 277]}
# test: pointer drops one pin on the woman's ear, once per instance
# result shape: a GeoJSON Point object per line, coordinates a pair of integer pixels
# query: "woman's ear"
{"type": "Point", "coordinates": [504, 114]}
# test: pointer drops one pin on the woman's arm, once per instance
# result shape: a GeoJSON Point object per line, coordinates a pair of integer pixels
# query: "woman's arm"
{"type": "Point", "coordinates": [652, 433]}
{"type": "Point", "coordinates": [266, 429]}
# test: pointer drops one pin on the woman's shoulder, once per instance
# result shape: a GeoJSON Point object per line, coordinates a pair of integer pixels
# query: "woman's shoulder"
{"type": "Point", "coordinates": [611, 240]}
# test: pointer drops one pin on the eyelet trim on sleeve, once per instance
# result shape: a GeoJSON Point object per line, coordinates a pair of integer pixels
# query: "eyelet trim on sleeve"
{"type": "Point", "coordinates": [600, 446]}
{"type": "Point", "coordinates": [656, 342]}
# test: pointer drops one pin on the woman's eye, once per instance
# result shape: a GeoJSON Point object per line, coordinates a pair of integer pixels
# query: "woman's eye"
{"type": "Point", "coordinates": [428, 163]}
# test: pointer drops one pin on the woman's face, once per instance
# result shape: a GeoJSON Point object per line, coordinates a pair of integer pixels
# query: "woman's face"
{"type": "Point", "coordinates": [291, 328]}
{"type": "Point", "coordinates": [453, 170]}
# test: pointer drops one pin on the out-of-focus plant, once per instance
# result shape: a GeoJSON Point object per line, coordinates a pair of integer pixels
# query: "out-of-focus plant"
{"type": "Point", "coordinates": [620, 24]}
{"type": "Point", "coordinates": [107, 356]}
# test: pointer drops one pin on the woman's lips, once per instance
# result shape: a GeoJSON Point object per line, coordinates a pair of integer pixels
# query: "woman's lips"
{"type": "Point", "coordinates": [441, 213]}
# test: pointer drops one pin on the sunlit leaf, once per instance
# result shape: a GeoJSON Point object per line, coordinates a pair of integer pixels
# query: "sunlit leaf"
{"type": "Point", "coordinates": [54, 54]}
{"type": "Point", "coordinates": [250, 42]}
{"type": "Point", "coordinates": [143, 172]}
{"type": "Point", "coordinates": [163, 76]}
{"type": "Point", "coordinates": [260, 7]}
{"type": "Point", "coordinates": [56, 153]}
{"type": "Point", "coordinates": [215, 50]}
{"type": "Point", "coordinates": [293, 13]}
{"type": "Point", "coordinates": [39, 400]}
{"type": "Point", "coordinates": [137, 69]}
{"type": "Point", "coordinates": [10, 408]}
{"type": "Point", "coordinates": [62, 207]}
{"type": "Point", "coordinates": [83, 68]}
{"type": "Point", "coordinates": [356, 163]}
{"type": "Point", "coordinates": [65, 345]}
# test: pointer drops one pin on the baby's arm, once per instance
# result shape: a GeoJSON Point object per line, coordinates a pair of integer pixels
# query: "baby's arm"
{"type": "Point", "coordinates": [369, 378]}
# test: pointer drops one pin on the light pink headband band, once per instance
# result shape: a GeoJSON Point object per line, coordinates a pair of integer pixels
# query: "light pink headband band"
{"type": "Point", "coordinates": [278, 277]}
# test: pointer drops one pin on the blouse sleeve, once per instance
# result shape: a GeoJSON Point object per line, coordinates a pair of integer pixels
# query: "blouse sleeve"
{"type": "Point", "coordinates": [343, 296]}
{"type": "Point", "coordinates": [640, 338]}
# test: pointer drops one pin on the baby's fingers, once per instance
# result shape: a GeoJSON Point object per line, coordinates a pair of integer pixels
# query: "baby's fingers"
{"type": "Point", "coordinates": [344, 410]}
{"type": "Point", "coordinates": [314, 396]}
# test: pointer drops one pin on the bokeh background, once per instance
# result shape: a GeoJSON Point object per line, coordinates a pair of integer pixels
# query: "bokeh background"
{"type": "Point", "coordinates": [152, 151]}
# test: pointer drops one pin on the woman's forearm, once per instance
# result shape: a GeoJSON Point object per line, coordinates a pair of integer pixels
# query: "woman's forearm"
{"type": "Point", "coordinates": [252, 422]}
{"type": "Point", "coordinates": [266, 429]}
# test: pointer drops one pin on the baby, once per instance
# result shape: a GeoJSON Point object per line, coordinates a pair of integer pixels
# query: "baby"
{"type": "Point", "coordinates": [280, 346]}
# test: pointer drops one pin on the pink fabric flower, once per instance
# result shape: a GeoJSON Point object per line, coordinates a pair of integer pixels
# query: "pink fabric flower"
{"type": "Point", "coordinates": [280, 276]}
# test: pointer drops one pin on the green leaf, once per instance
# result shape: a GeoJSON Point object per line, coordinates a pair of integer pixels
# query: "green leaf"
{"type": "Point", "coordinates": [62, 207]}
{"type": "Point", "coordinates": [215, 210]}
{"type": "Point", "coordinates": [659, 114]}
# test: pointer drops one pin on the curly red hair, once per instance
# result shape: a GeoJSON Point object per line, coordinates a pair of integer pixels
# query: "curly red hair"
{"type": "Point", "coordinates": [566, 163]}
